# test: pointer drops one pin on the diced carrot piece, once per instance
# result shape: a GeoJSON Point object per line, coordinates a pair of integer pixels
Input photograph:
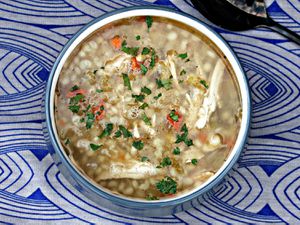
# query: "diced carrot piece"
{"type": "Point", "coordinates": [116, 42]}
{"type": "Point", "coordinates": [134, 64]}
{"type": "Point", "coordinates": [175, 124]}
{"type": "Point", "coordinates": [98, 112]}
{"type": "Point", "coordinates": [202, 137]}
{"type": "Point", "coordinates": [74, 93]}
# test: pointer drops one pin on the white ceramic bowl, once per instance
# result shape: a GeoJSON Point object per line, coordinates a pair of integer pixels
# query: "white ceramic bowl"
{"type": "Point", "coordinates": [123, 204]}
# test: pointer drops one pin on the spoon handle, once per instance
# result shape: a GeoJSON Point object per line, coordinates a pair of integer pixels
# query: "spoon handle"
{"type": "Point", "coordinates": [293, 36]}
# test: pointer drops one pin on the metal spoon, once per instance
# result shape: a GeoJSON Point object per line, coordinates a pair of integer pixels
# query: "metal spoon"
{"type": "Point", "coordinates": [241, 15]}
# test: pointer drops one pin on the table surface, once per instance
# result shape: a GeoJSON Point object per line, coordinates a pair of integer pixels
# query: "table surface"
{"type": "Point", "coordinates": [263, 188]}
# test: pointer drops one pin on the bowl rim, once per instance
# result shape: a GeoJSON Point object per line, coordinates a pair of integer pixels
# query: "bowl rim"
{"type": "Point", "coordinates": [241, 80]}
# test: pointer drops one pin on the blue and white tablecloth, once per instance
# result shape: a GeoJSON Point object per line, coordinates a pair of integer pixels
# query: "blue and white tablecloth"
{"type": "Point", "coordinates": [263, 188]}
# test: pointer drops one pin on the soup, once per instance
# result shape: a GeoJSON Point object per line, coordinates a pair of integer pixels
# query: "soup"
{"type": "Point", "coordinates": [147, 108]}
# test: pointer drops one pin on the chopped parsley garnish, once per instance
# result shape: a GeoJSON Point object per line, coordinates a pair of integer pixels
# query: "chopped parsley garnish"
{"type": "Point", "coordinates": [139, 145]}
{"type": "Point", "coordinates": [153, 57]}
{"type": "Point", "coordinates": [144, 105]}
{"type": "Point", "coordinates": [145, 51]}
{"type": "Point", "coordinates": [95, 71]}
{"type": "Point", "coordinates": [157, 96]}
{"type": "Point", "coordinates": [144, 69]}
{"type": "Point", "coordinates": [166, 162]}
{"type": "Point", "coordinates": [146, 119]}
{"type": "Point", "coordinates": [203, 82]}
{"type": "Point", "coordinates": [146, 90]}
{"type": "Point", "coordinates": [76, 99]}
{"type": "Point", "coordinates": [137, 37]}
{"type": "Point", "coordinates": [81, 120]}
{"type": "Point", "coordinates": [183, 55]}
{"type": "Point", "coordinates": [138, 98]}
{"type": "Point", "coordinates": [130, 51]}
{"type": "Point", "coordinates": [144, 159]}
{"type": "Point", "coordinates": [151, 198]}
{"type": "Point", "coordinates": [176, 151]}
{"type": "Point", "coordinates": [180, 81]}
{"type": "Point", "coordinates": [149, 21]}
{"type": "Point", "coordinates": [194, 161]}
{"type": "Point", "coordinates": [167, 83]}
{"type": "Point", "coordinates": [99, 90]}
{"type": "Point", "coordinates": [107, 131]}
{"type": "Point", "coordinates": [126, 81]}
{"type": "Point", "coordinates": [174, 116]}
{"type": "Point", "coordinates": [183, 137]}
{"type": "Point", "coordinates": [102, 107]}
{"type": "Point", "coordinates": [95, 147]}
{"type": "Point", "coordinates": [74, 88]}
{"type": "Point", "coordinates": [118, 133]}
{"type": "Point", "coordinates": [126, 133]}
{"type": "Point", "coordinates": [167, 186]}
{"type": "Point", "coordinates": [67, 141]}
{"type": "Point", "coordinates": [90, 118]}
{"type": "Point", "coordinates": [74, 108]}
{"type": "Point", "coordinates": [182, 72]}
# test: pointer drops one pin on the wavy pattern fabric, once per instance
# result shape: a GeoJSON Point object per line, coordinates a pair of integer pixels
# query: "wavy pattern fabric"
{"type": "Point", "coordinates": [263, 188]}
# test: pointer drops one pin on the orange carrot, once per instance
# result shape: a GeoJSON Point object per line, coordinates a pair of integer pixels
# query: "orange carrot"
{"type": "Point", "coordinates": [134, 64]}
{"type": "Point", "coordinates": [100, 113]}
{"type": "Point", "coordinates": [116, 42]}
{"type": "Point", "coordinates": [202, 137]}
{"type": "Point", "coordinates": [175, 124]}
{"type": "Point", "coordinates": [76, 92]}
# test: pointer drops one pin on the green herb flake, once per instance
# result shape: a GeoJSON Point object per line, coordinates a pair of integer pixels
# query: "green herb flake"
{"type": "Point", "coordinates": [182, 72]}
{"type": "Point", "coordinates": [151, 198]}
{"type": "Point", "coordinates": [139, 145]}
{"type": "Point", "coordinates": [81, 120]}
{"type": "Point", "coordinates": [167, 186]}
{"type": "Point", "coordinates": [126, 81]}
{"type": "Point", "coordinates": [180, 81]}
{"type": "Point", "coordinates": [187, 60]}
{"type": "Point", "coordinates": [176, 151]}
{"type": "Point", "coordinates": [183, 137]}
{"type": "Point", "coordinates": [74, 108]}
{"type": "Point", "coordinates": [167, 83]}
{"type": "Point", "coordinates": [126, 133]}
{"type": "Point", "coordinates": [153, 57]}
{"type": "Point", "coordinates": [74, 88]}
{"type": "Point", "coordinates": [174, 116]}
{"type": "Point", "coordinates": [95, 147]}
{"type": "Point", "coordinates": [102, 67]}
{"type": "Point", "coordinates": [166, 162]}
{"type": "Point", "coordinates": [95, 71]}
{"type": "Point", "coordinates": [67, 141]}
{"type": "Point", "coordinates": [146, 90]}
{"type": "Point", "coordinates": [138, 98]}
{"type": "Point", "coordinates": [145, 159]}
{"type": "Point", "coordinates": [137, 37]}
{"type": "Point", "coordinates": [107, 131]}
{"type": "Point", "coordinates": [144, 69]}
{"type": "Point", "coordinates": [183, 55]}
{"type": "Point", "coordinates": [157, 96]}
{"type": "Point", "coordinates": [144, 105]}
{"type": "Point", "coordinates": [130, 51]}
{"type": "Point", "coordinates": [99, 90]}
{"type": "Point", "coordinates": [146, 119]}
{"type": "Point", "coordinates": [203, 82]}
{"type": "Point", "coordinates": [102, 107]}
{"type": "Point", "coordinates": [90, 118]}
{"type": "Point", "coordinates": [194, 161]}
{"type": "Point", "coordinates": [145, 51]}
{"type": "Point", "coordinates": [118, 134]}
{"type": "Point", "coordinates": [76, 99]}
{"type": "Point", "coordinates": [149, 21]}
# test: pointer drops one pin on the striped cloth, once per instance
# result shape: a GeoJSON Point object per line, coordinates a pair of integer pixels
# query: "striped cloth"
{"type": "Point", "coordinates": [263, 188]}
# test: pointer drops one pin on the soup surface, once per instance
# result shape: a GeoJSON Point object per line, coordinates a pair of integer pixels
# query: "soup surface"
{"type": "Point", "coordinates": [147, 108]}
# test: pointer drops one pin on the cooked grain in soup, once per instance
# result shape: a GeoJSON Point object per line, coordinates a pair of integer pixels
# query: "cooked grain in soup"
{"type": "Point", "coordinates": [147, 108]}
